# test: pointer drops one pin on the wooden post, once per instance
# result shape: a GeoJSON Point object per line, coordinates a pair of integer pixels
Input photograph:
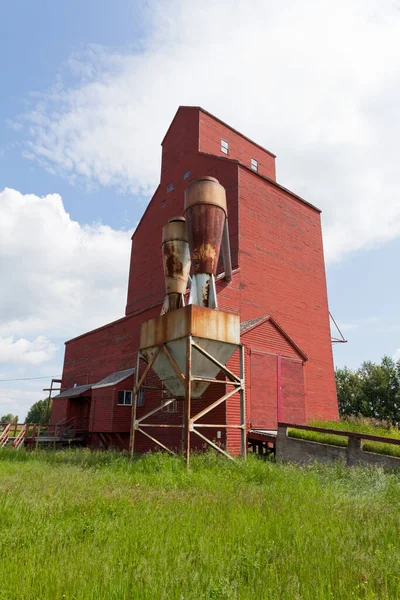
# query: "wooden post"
{"type": "Point", "coordinates": [134, 405]}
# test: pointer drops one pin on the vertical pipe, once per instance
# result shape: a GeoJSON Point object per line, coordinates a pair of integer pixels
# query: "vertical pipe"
{"type": "Point", "coordinates": [134, 394]}
{"type": "Point", "coordinates": [279, 378]}
{"type": "Point", "coordinates": [243, 431]}
{"type": "Point", "coordinates": [188, 397]}
{"type": "Point", "coordinates": [226, 252]}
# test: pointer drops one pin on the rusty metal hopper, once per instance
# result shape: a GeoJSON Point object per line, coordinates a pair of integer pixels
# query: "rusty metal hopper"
{"type": "Point", "coordinates": [176, 263]}
{"type": "Point", "coordinates": [205, 214]}
{"type": "Point", "coordinates": [218, 333]}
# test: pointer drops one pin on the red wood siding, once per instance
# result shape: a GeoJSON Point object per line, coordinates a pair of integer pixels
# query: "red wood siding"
{"type": "Point", "coordinates": [240, 148]}
{"type": "Point", "coordinates": [59, 410]}
{"type": "Point", "coordinates": [293, 393]}
{"type": "Point", "coordinates": [276, 244]}
{"type": "Point", "coordinates": [268, 338]}
{"type": "Point", "coordinates": [264, 391]}
{"type": "Point", "coordinates": [283, 274]}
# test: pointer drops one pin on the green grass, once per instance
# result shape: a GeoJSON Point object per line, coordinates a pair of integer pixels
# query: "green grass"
{"type": "Point", "coordinates": [83, 525]}
{"type": "Point", "coordinates": [352, 424]}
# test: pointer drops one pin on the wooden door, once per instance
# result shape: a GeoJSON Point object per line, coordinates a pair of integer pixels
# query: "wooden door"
{"type": "Point", "coordinates": [293, 408]}
{"type": "Point", "coordinates": [264, 391]}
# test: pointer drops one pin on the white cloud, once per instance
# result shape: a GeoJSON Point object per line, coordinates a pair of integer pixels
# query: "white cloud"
{"type": "Point", "coordinates": [18, 400]}
{"type": "Point", "coordinates": [59, 278]}
{"type": "Point", "coordinates": [317, 83]}
{"type": "Point", "coordinates": [23, 351]}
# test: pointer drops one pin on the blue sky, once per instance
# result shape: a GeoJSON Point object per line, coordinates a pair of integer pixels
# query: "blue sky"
{"type": "Point", "coordinates": [88, 91]}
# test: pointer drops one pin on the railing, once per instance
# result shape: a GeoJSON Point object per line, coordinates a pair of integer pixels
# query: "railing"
{"type": "Point", "coordinates": [19, 440]}
{"type": "Point", "coordinates": [65, 429]}
{"type": "Point", "coordinates": [5, 433]}
{"type": "Point", "coordinates": [339, 432]}
{"type": "Point", "coordinates": [305, 451]}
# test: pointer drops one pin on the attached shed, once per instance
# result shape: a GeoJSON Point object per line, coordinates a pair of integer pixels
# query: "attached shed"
{"type": "Point", "coordinates": [112, 402]}
{"type": "Point", "coordinates": [275, 374]}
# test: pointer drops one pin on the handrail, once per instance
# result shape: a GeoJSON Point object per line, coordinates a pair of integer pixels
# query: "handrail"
{"type": "Point", "coordinates": [20, 438]}
{"type": "Point", "coordinates": [350, 434]}
{"type": "Point", "coordinates": [4, 434]}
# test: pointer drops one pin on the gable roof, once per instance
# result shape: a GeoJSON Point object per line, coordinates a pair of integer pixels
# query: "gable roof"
{"type": "Point", "coordinates": [247, 326]}
{"type": "Point", "coordinates": [198, 108]}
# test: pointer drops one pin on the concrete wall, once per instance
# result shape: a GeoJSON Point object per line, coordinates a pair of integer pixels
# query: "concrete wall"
{"type": "Point", "coordinates": [305, 452]}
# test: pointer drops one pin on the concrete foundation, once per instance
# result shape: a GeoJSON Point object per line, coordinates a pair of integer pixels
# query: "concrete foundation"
{"type": "Point", "coordinates": [305, 452]}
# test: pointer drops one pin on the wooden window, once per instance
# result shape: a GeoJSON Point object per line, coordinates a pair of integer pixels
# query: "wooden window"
{"type": "Point", "coordinates": [170, 187]}
{"type": "Point", "coordinates": [254, 164]}
{"type": "Point", "coordinates": [171, 408]}
{"type": "Point", "coordinates": [124, 398]}
{"type": "Point", "coordinates": [224, 147]}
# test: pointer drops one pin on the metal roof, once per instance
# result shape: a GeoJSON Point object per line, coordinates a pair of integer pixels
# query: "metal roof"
{"type": "Point", "coordinates": [79, 390]}
{"type": "Point", "coordinates": [114, 378]}
{"type": "Point", "coordinates": [251, 322]}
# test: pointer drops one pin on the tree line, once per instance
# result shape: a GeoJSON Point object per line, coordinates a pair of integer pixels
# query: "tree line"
{"type": "Point", "coordinates": [38, 413]}
{"type": "Point", "coordinates": [372, 390]}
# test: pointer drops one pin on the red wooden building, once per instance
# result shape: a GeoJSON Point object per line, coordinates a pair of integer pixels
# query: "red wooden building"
{"type": "Point", "coordinates": [278, 289]}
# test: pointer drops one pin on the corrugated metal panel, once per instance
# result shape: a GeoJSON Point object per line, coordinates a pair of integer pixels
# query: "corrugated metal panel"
{"type": "Point", "coordinates": [73, 392]}
{"type": "Point", "coordinates": [114, 378]}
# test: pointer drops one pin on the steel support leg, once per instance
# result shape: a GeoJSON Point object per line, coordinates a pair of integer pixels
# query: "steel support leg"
{"type": "Point", "coordinates": [188, 398]}
{"type": "Point", "coordinates": [243, 431]}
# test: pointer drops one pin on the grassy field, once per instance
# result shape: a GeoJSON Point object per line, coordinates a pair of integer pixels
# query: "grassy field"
{"type": "Point", "coordinates": [82, 525]}
{"type": "Point", "coordinates": [352, 424]}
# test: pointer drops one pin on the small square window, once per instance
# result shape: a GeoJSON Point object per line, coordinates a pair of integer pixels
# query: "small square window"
{"type": "Point", "coordinates": [170, 187]}
{"type": "Point", "coordinates": [186, 175]}
{"type": "Point", "coordinates": [254, 164]}
{"type": "Point", "coordinates": [124, 398]}
{"type": "Point", "coordinates": [224, 147]}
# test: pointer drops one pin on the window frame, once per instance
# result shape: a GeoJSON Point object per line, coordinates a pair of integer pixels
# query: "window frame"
{"type": "Point", "coordinates": [171, 408]}
{"type": "Point", "coordinates": [124, 403]}
{"type": "Point", "coordinates": [254, 164]}
{"type": "Point", "coordinates": [224, 149]}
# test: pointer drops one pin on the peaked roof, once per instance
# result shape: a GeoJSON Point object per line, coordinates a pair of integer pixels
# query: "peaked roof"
{"type": "Point", "coordinates": [247, 326]}
{"type": "Point", "coordinates": [219, 121]}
